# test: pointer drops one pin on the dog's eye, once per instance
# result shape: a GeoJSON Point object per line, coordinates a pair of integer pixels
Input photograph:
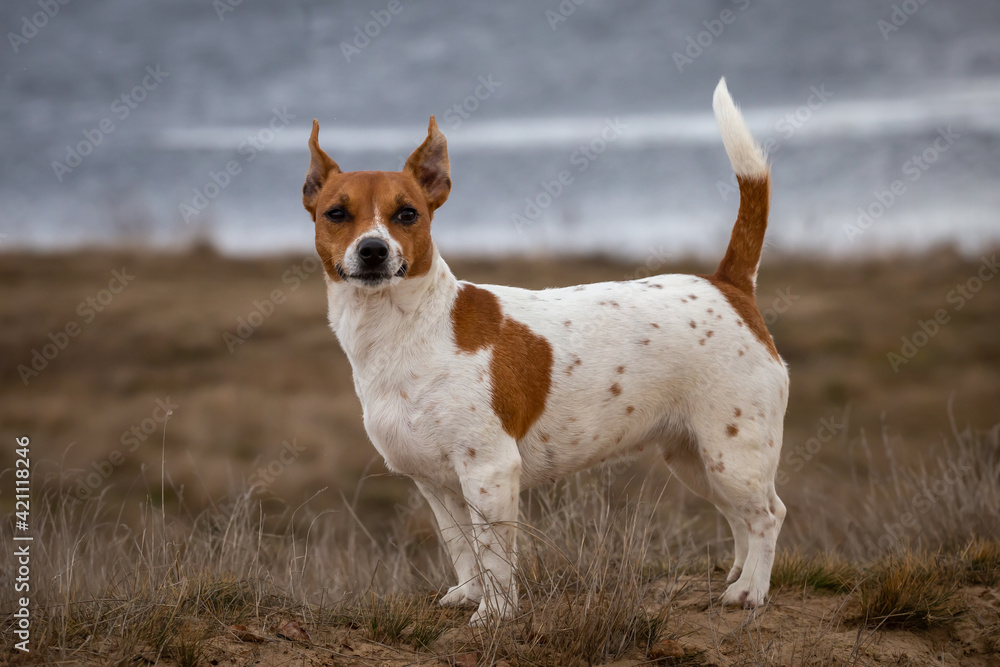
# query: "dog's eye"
{"type": "Point", "coordinates": [407, 216]}
{"type": "Point", "coordinates": [336, 215]}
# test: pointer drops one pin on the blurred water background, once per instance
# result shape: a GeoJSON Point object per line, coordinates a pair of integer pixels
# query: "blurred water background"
{"type": "Point", "coordinates": [614, 98]}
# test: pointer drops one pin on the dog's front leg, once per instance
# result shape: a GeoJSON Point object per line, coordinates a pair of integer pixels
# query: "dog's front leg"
{"type": "Point", "coordinates": [491, 482]}
{"type": "Point", "coordinates": [455, 531]}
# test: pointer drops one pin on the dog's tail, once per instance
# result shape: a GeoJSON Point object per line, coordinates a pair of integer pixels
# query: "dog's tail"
{"type": "Point", "coordinates": [739, 266]}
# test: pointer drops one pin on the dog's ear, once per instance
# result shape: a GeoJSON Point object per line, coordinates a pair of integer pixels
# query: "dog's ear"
{"type": "Point", "coordinates": [321, 167]}
{"type": "Point", "coordinates": [429, 165]}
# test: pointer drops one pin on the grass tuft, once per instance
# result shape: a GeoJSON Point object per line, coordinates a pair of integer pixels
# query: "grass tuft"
{"type": "Point", "coordinates": [912, 591]}
{"type": "Point", "coordinates": [823, 572]}
{"type": "Point", "coordinates": [385, 619]}
{"type": "Point", "coordinates": [980, 562]}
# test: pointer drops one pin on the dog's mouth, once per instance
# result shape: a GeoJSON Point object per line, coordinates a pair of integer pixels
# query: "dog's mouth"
{"type": "Point", "coordinates": [372, 278]}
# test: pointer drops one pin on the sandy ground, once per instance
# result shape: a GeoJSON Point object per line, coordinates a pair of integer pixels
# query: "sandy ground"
{"type": "Point", "coordinates": [796, 628]}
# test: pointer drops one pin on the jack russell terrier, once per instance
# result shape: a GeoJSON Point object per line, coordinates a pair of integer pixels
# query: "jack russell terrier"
{"type": "Point", "coordinates": [478, 392]}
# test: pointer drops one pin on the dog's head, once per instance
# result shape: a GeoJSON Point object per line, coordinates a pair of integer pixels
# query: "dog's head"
{"type": "Point", "coordinates": [373, 228]}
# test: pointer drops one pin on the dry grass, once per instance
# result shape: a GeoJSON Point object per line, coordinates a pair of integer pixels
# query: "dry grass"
{"type": "Point", "coordinates": [909, 591]}
{"type": "Point", "coordinates": [979, 562]}
{"type": "Point", "coordinates": [601, 581]}
{"type": "Point", "coordinates": [818, 572]}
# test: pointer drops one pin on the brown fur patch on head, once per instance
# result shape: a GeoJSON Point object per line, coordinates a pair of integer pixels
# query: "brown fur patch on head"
{"type": "Point", "coordinates": [521, 365]}
{"type": "Point", "coordinates": [423, 185]}
{"type": "Point", "coordinates": [371, 198]}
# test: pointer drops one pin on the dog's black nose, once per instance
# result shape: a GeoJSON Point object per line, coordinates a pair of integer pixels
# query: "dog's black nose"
{"type": "Point", "coordinates": [373, 252]}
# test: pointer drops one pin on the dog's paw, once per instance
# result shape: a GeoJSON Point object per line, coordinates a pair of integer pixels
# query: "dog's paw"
{"type": "Point", "coordinates": [465, 595]}
{"type": "Point", "coordinates": [738, 596]}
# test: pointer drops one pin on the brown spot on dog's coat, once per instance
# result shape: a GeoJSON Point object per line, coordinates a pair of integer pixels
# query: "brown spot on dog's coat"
{"type": "Point", "coordinates": [655, 325]}
{"type": "Point", "coordinates": [692, 297]}
{"type": "Point", "coordinates": [567, 322]}
{"type": "Point", "coordinates": [692, 324]}
{"type": "Point", "coordinates": [476, 318]}
{"type": "Point", "coordinates": [482, 491]}
{"type": "Point", "coordinates": [544, 437]}
{"type": "Point", "coordinates": [616, 389]}
{"type": "Point", "coordinates": [701, 342]}
{"type": "Point", "coordinates": [471, 452]}
{"type": "Point", "coordinates": [521, 364]}
{"type": "Point", "coordinates": [630, 409]}
{"type": "Point", "coordinates": [621, 369]}
{"type": "Point", "coordinates": [738, 412]}
{"type": "Point", "coordinates": [708, 334]}
{"type": "Point", "coordinates": [644, 341]}
{"type": "Point", "coordinates": [732, 430]}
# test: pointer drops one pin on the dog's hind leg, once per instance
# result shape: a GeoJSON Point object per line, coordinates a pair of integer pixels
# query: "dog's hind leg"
{"type": "Point", "coordinates": [740, 464]}
{"type": "Point", "coordinates": [455, 529]}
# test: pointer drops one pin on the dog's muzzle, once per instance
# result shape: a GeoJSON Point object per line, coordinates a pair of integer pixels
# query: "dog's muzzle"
{"type": "Point", "coordinates": [373, 265]}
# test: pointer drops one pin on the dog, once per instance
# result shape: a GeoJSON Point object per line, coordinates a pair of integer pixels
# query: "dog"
{"type": "Point", "coordinates": [478, 392]}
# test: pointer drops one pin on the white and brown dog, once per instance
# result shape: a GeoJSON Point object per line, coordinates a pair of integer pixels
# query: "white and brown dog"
{"type": "Point", "coordinates": [480, 391]}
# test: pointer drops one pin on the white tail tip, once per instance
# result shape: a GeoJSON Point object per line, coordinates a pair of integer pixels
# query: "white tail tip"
{"type": "Point", "coordinates": [745, 154]}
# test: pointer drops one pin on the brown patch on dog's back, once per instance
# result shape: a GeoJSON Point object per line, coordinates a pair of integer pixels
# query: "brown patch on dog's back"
{"type": "Point", "coordinates": [476, 318]}
{"type": "Point", "coordinates": [521, 366]}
